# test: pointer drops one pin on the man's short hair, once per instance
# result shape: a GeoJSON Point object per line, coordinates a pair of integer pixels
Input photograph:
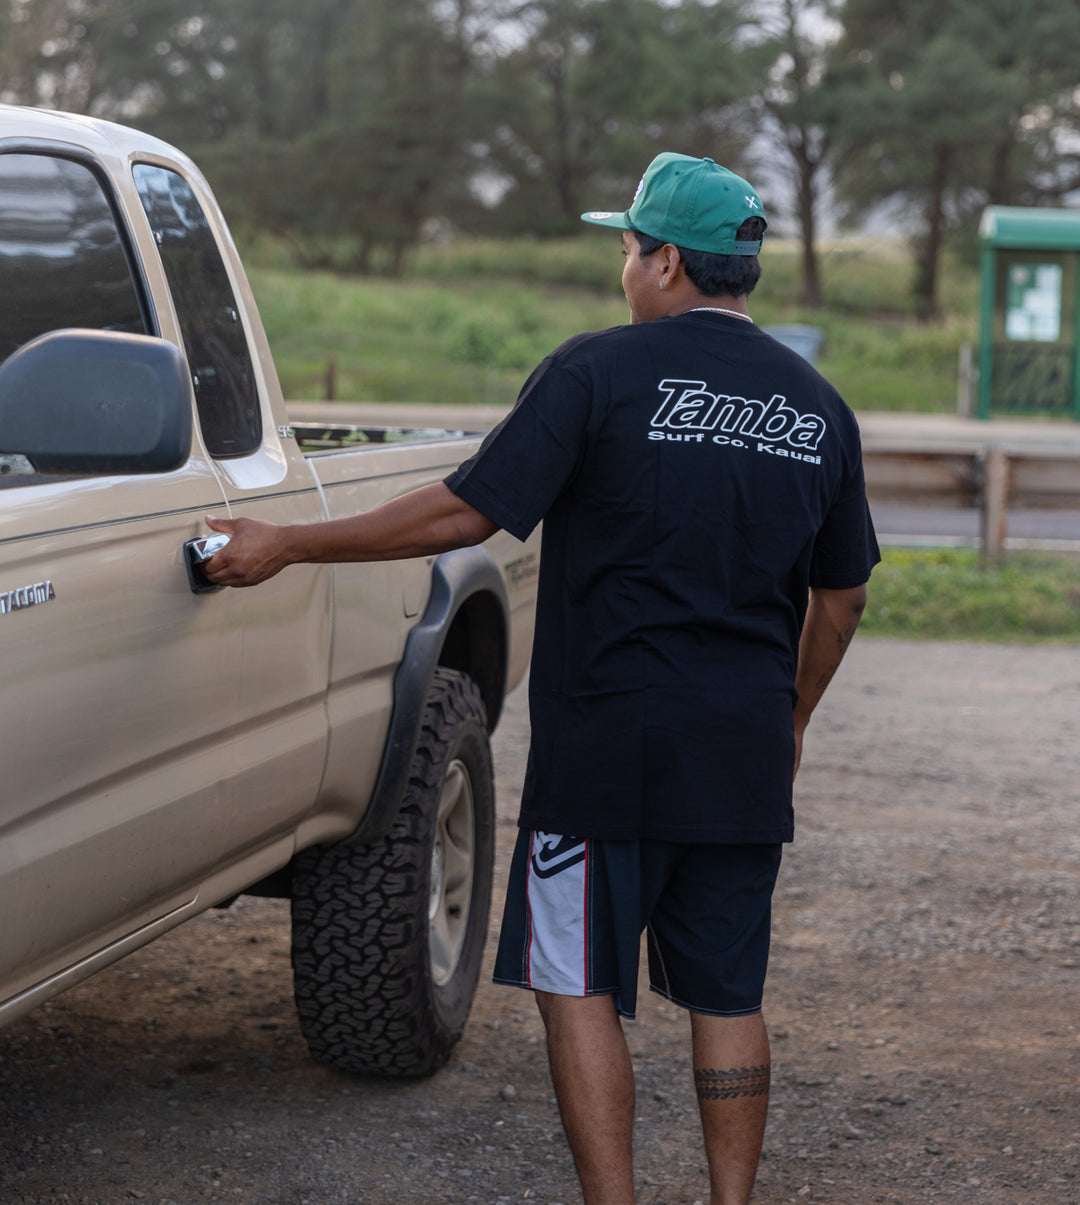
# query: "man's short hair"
{"type": "Point", "coordinates": [717, 275]}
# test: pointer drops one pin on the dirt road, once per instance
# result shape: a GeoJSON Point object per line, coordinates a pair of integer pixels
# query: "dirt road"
{"type": "Point", "coordinates": [923, 1002]}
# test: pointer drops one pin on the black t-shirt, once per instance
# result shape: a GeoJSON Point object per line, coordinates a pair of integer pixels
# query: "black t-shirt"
{"type": "Point", "coordinates": [694, 477]}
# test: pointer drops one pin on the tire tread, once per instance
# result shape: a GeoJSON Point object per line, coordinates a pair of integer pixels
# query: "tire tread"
{"type": "Point", "coordinates": [364, 994]}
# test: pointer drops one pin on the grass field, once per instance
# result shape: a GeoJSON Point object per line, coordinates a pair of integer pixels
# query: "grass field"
{"type": "Point", "coordinates": [414, 341]}
{"type": "Point", "coordinates": [947, 594]}
{"type": "Point", "coordinates": [472, 318]}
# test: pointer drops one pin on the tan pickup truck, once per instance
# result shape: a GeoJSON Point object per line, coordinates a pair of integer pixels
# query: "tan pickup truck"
{"type": "Point", "coordinates": [166, 746]}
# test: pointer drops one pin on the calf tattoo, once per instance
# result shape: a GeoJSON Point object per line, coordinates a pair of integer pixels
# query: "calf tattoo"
{"type": "Point", "coordinates": [726, 1085]}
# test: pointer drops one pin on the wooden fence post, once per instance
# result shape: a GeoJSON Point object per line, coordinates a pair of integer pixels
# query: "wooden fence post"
{"type": "Point", "coordinates": [995, 503]}
{"type": "Point", "coordinates": [966, 376]}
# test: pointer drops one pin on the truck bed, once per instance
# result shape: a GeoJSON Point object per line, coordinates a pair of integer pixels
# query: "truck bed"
{"type": "Point", "coordinates": [331, 437]}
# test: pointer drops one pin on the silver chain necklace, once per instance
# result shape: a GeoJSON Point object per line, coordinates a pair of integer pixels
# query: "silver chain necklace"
{"type": "Point", "coordinates": [719, 309]}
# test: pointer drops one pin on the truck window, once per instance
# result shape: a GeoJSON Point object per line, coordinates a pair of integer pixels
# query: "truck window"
{"type": "Point", "coordinates": [214, 336]}
{"type": "Point", "coordinates": [62, 259]}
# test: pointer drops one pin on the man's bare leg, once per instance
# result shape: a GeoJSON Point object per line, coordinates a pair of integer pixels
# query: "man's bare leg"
{"type": "Point", "coordinates": [594, 1085]}
{"type": "Point", "coordinates": [731, 1075]}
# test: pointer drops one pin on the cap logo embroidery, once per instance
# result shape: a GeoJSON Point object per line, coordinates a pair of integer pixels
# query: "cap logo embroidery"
{"type": "Point", "coordinates": [751, 202]}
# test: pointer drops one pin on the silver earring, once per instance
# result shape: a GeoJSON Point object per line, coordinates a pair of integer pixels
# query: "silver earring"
{"type": "Point", "coordinates": [661, 284]}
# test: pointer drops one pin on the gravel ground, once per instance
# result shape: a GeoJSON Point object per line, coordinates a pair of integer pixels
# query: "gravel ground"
{"type": "Point", "coordinates": [922, 1002]}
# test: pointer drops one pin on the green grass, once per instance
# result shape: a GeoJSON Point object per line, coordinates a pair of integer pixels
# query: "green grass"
{"type": "Point", "coordinates": [417, 342]}
{"type": "Point", "coordinates": [471, 318]}
{"type": "Point", "coordinates": [949, 595]}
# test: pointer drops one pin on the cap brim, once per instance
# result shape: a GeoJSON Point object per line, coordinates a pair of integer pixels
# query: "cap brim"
{"type": "Point", "coordinates": [602, 217]}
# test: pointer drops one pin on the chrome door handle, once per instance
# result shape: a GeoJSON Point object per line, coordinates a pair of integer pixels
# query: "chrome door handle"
{"type": "Point", "coordinates": [198, 551]}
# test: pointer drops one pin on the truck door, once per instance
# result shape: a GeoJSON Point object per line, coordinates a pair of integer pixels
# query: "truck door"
{"type": "Point", "coordinates": [119, 694]}
{"type": "Point", "coordinates": [281, 724]}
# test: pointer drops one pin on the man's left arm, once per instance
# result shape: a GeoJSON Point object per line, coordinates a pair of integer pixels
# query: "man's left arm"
{"type": "Point", "coordinates": [831, 619]}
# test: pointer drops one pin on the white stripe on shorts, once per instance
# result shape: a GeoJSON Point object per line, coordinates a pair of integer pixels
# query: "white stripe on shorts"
{"type": "Point", "coordinates": [557, 891]}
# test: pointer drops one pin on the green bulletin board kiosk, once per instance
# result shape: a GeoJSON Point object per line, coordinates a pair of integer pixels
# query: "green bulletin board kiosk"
{"type": "Point", "coordinates": [1030, 311]}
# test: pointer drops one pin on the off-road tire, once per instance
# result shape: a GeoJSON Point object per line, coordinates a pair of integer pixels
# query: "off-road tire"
{"type": "Point", "coordinates": [373, 996]}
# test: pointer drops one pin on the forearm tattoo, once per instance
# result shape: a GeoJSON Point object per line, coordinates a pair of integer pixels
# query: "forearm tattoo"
{"type": "Point", "coordinates": [843, 639]}
{"type": "Point", "coordinates": [826, 677]}
{"type": "Point", "coordinates": [727, 1085]}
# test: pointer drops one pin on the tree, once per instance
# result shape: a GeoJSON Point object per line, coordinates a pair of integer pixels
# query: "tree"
{"type": "Point", "coordinates": [34, 41]}
{"type": "Point", "coordinates": [597, 87]}
{"type": "Point", "coordinates": [341, 119]}
{"type": "Point", "coordinates": [1032, 159]}
{"type": "Point", "coordinates": [932, 101]}
{"type": "Point", "coordinates": [792, 100]}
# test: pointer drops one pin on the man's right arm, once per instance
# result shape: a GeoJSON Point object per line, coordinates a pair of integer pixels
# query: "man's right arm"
{"type": "Point", "coordinates": [427, 521]}
{"type": "Point", "coordinates": [831, 619]}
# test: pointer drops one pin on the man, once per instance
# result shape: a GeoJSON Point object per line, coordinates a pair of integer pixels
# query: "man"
{"type": "Point", "coordinates": [706, 546]}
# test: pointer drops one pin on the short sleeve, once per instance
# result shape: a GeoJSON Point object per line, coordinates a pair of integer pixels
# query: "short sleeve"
{"type": "Point", "coordinates": [846, 548]}
{"type": "Point", "coordinates": [527, 461]}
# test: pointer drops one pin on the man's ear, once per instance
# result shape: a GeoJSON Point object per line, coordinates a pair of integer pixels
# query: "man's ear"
{"type": "Point", "coordinates": [671, 264]}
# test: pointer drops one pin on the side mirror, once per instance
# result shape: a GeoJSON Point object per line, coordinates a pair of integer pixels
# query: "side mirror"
{"type": "Point", "coordinates": [96, 402]}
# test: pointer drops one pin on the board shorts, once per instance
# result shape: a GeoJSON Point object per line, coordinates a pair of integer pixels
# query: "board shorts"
{"type": "Point", "coordinates": [576, 908]}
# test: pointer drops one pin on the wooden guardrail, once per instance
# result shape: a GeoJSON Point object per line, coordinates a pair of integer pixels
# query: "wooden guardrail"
{"type": "Point", "coordinates": [928, 460]}
{"type": "Point", "coordinates": [993, 479]}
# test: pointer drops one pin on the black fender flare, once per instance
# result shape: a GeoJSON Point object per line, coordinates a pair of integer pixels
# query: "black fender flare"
{"type": "Point", "coordinates": [456, 577]}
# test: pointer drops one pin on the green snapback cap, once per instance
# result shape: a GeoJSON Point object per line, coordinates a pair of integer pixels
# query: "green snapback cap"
{"type": "Point", "coordinates": [693, 203]}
